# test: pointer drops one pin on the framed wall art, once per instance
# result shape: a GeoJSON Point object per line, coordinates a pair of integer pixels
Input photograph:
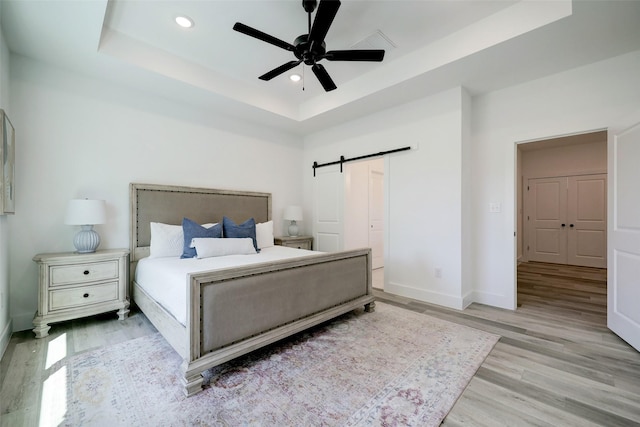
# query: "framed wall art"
{"type": "Point", "coordinates": [7, 165]}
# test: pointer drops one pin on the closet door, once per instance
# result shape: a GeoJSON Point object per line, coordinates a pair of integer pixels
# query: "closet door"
{"type": "Point", "coordinates": [547, 220]}
{"type": "Point", "coordinates": [587, 220]}
{"type": "Point", "coordinates": [376, 217]}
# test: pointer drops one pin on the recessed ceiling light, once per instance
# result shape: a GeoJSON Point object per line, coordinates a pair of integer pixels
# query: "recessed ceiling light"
{"type": "Point", "coordinates": [295, 77]}
{"type": "Point", "coordinates": [184, 21]}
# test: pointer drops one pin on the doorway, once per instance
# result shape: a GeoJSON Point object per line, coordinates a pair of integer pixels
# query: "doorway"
{"type": "Point", "coordinates": [562, 179]}
{"type": "Point", "coordinates": [561, 206]}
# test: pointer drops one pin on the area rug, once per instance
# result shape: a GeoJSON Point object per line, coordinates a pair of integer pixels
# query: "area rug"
{"type": "Point", "coordinates": [392, 367]}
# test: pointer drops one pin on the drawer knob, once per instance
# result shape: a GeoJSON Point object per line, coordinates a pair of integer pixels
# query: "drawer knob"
{"type": "Point", "coordinates": [86, 295]}
{"type": "Point", "coordinates": [86, 272]}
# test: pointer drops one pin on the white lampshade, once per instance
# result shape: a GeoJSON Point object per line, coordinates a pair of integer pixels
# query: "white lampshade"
{"type": "Point", "coordinates": [293, 213]}
{"type": "Point", "coordinates": [86, 212]}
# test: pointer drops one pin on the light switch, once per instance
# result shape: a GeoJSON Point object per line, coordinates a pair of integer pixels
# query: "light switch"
{"type": "Point", "coordinates": [494, 207]}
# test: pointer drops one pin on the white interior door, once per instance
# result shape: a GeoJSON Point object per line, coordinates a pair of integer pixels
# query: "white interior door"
{"type": "Point", "coordinates": [623, 274]}
{"type": "Point", "coordinates": [376, 217]}
{"type": "Point", "coordinates": [328, 207]}
{"type": "Point", "coordinates": [587, 220]}
{"type": "Point", "coordinates": [546, 219]}
{"type": "Point", "coordinates": [567, 218]}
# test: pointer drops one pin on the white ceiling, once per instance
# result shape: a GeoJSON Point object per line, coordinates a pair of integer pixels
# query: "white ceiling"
{"type": "Point", "coordinates": [439, 44]}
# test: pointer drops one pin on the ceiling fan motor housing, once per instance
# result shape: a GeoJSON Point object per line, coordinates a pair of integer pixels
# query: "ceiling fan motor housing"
{"type": "Point", "coordinates": [308, 52]}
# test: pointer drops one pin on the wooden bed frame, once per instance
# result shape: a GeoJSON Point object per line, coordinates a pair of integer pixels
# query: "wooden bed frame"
{"type": "Point", "coordinates": [236, 310]}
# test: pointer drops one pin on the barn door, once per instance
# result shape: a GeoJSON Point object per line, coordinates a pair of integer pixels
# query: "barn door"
{"type": "Point", "coordinates": [328, 208]}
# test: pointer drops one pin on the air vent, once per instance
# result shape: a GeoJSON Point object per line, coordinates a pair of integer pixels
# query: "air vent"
{"type": "Point", "coordinates": [376, 40]}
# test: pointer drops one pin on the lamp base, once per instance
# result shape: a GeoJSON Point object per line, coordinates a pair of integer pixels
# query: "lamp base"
{"type": "Point", "coordinates": [87, 240]}
{"type": "Point", "coordinates": [293, 229]}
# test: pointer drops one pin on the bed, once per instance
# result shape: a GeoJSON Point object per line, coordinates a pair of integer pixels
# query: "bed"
{"type": "Point", "coordinates": [231, 311]}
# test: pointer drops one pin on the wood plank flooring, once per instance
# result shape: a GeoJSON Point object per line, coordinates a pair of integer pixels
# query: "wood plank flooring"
{"type": "Point", "coordinates": [556, 364]}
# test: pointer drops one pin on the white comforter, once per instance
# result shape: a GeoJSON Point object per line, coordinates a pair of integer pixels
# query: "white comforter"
{"type": "Point", "coordinates": [165, 279]}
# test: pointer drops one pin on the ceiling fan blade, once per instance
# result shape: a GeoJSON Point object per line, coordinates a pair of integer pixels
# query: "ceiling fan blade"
{"type": "Point", "coordinates": [279, 70]}
{"type": "Point", "coordinates": [252, 32]}
{"type": "Point", "coordinates": [327, 10]}
{"type": "Point", "coordinates": [376, 55]}
{"type": "Point", "coordinates": [323, 77]}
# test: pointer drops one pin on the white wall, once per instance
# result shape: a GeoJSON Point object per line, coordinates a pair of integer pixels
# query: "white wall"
{"type": "Point", "coordinates": [424, 190]}
{"type": "Point", "coordinates": [440, 194]}
{"type": "Point", "coordinates": [5, 320]}
{"type": "Point", "coordinates": [579, 100]}
{"type": "Point", "coordinates": [81, 137]}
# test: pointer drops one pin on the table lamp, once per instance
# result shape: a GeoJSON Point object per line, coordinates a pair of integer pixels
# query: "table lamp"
{"type": "Point", "coordinates": [86, 213]}
{"type": "Point", "coordinates": [293, 214]}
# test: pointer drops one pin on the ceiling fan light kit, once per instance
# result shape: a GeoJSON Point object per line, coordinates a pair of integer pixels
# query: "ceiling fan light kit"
{"type": "Point", "coordinates": [184, 21]}
{"type": "Point", "coordinates": [310, 48]}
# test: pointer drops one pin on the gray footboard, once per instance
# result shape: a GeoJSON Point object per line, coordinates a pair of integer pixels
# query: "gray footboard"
{"type": "Point", "coordinates": [235, 311]}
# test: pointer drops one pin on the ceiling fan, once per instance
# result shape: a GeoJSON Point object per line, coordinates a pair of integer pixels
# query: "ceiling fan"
{"type": "Point", "coordinates": [310, 48]}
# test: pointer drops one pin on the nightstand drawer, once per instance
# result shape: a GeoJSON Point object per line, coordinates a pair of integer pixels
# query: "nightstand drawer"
{"type": "Point", "coordinates": [298, 245]}
{"type": "Point", "coordinates": [83, 273]}
{"type": "Point", "coordinates": [82, 296]}
{"type": "Point", "coordinates": [297, 242]}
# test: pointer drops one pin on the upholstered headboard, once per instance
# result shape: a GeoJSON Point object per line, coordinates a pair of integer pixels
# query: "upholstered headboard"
{"type": "Point", "coordinates": [169, 204]}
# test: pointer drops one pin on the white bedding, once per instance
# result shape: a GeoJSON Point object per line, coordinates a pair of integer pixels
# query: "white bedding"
{"type": "Point", "coordinates": [165, 279]}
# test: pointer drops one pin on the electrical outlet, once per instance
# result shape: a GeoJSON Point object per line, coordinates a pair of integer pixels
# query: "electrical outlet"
{"type": "Point", "coordinates": [438, 272]}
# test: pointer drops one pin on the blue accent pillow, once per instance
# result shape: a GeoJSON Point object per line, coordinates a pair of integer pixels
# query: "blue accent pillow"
{"type": "Point", "coordinates": [239, 231]}
{"type": "Point", "coordinates": [191, 230]}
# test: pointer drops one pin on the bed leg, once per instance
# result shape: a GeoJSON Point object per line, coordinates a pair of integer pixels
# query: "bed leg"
{"type": "Point", "coordinates": [192, 385]}
{"type": "Point", "coordinates": [370, 308]}
{"type": "Point", "coordinates": [191, 381]}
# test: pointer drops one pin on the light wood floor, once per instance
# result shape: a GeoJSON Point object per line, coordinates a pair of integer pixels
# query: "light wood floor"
{"type": "Point", "coordinates": [556, 364]}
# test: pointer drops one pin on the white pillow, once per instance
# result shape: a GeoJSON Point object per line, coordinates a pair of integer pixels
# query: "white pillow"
{"type": "Point", "coordinates": [212, 247]}
{"type": "Point", "coordinates": [167, 240]}
{"type": "Point", "coordinates": [264, 234]}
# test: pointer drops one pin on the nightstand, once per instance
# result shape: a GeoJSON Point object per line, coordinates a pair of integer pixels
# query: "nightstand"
{"type": "Point", "coordinates": [73, 285]}
{"type": "Point", "coordinates": [299, 242]}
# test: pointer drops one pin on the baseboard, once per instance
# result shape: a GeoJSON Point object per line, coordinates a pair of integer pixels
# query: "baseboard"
{"type": "Point", "coordinates": [22, 322]}
{"type": "Point", "coordinates": [493, 300]}
{"type": "Point", "coordinates": [5, 337]}
{"type": "Point", "coordinates": [467, 300]}
{"type": "Point", "coordinates": [431, 297]}
{"type": "Point", "coordinates": [451, 301]}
